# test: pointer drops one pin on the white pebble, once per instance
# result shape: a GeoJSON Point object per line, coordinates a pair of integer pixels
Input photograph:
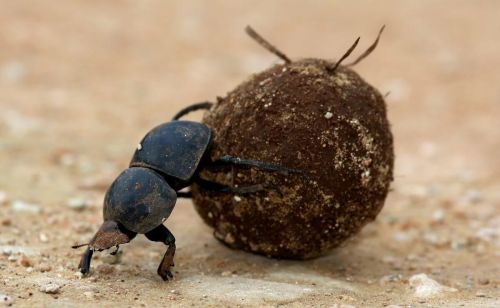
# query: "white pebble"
{"type": "Point", "coordinates": [21, 206]}
{"type": "Point", "coordinates": [328, 115]}
{"type": "Point", "coordinates": [438, 215]}
{"type": "Point", "coordinates": [19, 124]}
{"type": "Point", "coordinates": [237, 198]}
{"type": "Point", "coordinates": [67, 159]}
{"type": "Point", "coordinates": [473, 196]}
{"type": "Point", "coordinates": [6, 300]}
{"type": "Point", "coordinates": [12, 258]}
{"type": "Point", "coordinates": [13, 71]}
{"type": "Point", "coordinates": [77, 204]}
{"type": "Point", "coordinates": [390, 278]}
{"type": "Point", "coordinates": [50, 288]}
{"type": "Point", "coordinates": [426, 287]}
{"type": "Point", "coordinates": [3, 197]}
{"type": "Point", "coordinates": [488, 234]}
{"type": "Point", "coordinates": [402, 237]}
{"type": "Point", "coordinates": [43, 238]}
{"type": "Point", "coordinates": [78, 275]}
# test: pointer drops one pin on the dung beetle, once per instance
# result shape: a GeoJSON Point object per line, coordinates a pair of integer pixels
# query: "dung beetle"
{"type": "Point", "coordinates": [168, 159]}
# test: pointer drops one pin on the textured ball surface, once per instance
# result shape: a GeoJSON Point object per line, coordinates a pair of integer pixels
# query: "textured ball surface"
{"type": "Point", "coordinates": [302, 115]}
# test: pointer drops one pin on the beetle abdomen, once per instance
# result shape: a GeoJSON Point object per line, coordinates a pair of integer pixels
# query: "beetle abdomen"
{"type": "Point", "coordinates": [174, 148]}
{"type": "Point", "coordinates": [140, 199]}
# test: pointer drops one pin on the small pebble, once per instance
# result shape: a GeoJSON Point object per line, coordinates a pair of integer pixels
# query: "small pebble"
{"type": "Point", "coordinates": [13, 71]}
{"type": "Point", "coordinates": [21, 206]}
{"type": "Point", "coordinates": [12, 258]}
{"type": "Point", "coordinates": [78, 275]}
{"type": "Point", "coordinates": [225, 273]}
{"type": "Point", "coordinates": [44, 268]}
{"type": "Point", "coordinates": [237, 198]}
{"type": "Point", "coordinates": [328, 115]}
{"type": "Point", "coordinates": [89, 294]}
{"type": "Point", "coordinates": [426, 287]}
{"type": "Point", "coordinates": [67, 159]}
{"type": "Point", "coordinates": [3, 197]}
{"type": "Point", "coordinates": [473, 196]}
{"type": "Point", "coordinates": [77, 204]}
{"type": "Point", "coordinates": [438, 216]}
{"type": "Point", "coordinates": [435, 239]}
{"type": "Point", "coordinates": [16, 250]}
{"type": "Point", "coordinates": [480, 294]}
{"type": "Point", "coordinates": [402, 237]}
{"type": "Point", "coordinates": [390, 278]}
{"type": "Point", "coordinates": [483, 281]}
{"type": "Point", "coordinates": [6, 300]}
{"type": "Point", "coordinates": [43, 238]}
{"type": "Point", "coordinates": [24, 261]}
{"type": "Point", "coordinates": [50, 288]}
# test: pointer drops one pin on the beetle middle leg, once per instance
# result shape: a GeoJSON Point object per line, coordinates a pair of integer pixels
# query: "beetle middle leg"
{"type": "Point", "coordinates": [217, 187]}
{"type": "Point", "coordinates": [162, 234]}
{"type": "Point", "coordinates": [236, 161]}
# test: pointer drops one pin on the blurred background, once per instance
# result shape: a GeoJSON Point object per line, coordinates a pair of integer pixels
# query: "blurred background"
{"type": "Point", "coordinates": [82, 81]}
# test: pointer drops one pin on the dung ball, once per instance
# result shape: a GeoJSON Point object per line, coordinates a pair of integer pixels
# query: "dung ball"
{"type": "Point", "coordinates": [304, 115]}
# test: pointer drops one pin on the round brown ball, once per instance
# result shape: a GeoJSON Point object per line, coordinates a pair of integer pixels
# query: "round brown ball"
{"type": "Point", "coordinates": [302, 115]}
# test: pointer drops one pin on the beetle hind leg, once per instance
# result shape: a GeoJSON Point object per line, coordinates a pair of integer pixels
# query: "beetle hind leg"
{"type": "Point", "coordinates": [163, 235]}
{"type": "Point", "coordinates": [189, 109]}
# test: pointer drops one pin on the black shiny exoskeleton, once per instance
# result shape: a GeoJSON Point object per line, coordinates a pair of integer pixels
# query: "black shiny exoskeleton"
{"type": "Point", "coordinates": [168, 159]}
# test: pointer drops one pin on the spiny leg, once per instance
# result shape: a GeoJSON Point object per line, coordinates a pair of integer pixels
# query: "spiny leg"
{"type": "Point", "coordinates": [217, 187]}
{"type": "Point", "coordinates": [236, 161]}
{"type": "Point", "coordinates": [369, 50]}
{"type": "Point", "coordinates": [184, 194]}
{"type": "Point", "coordinates": [346, 54]}
{"type": "Point", "coordinates": [163, 235]}
{"type": "Point", "coordinates": [189, 109]}
{"type": "Point", "coordinates": [84, 265]}
{"type": "Point", "coordinates": [262, 42]}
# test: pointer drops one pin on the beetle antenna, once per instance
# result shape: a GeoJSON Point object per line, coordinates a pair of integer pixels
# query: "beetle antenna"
{"type": "Point", "coordinates": [348, 52]}
{"type": "Point", "coordinates": [369, 50]}
{"type": "Point", "coordinates": [79, 245]}
{"type": "Point", "coordinates": [262, 42]}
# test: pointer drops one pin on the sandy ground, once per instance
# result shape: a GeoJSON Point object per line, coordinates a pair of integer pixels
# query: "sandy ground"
{"type": "Point", "coordinates": [82, 81]}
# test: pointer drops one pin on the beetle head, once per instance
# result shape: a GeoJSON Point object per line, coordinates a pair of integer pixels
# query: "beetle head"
{"type": "Point", "coordinates": [110, 234]}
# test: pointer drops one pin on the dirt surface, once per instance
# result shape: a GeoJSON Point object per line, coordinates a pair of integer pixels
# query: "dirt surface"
{"type": "Point", "coordinates": [83, 81]}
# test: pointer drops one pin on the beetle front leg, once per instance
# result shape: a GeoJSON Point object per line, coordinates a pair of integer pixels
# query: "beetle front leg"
{"type": "Point", "coordinates": [84, 265]}
{"type": "Point", "coordinates": [162, 234]}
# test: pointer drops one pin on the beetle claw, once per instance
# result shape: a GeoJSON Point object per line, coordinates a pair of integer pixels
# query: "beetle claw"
{"type": "Point", "coordinates": [164, 270]}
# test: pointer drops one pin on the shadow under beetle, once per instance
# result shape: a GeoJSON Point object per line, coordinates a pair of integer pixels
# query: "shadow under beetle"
{"type": "Point", "coordinates": [169, 158]}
